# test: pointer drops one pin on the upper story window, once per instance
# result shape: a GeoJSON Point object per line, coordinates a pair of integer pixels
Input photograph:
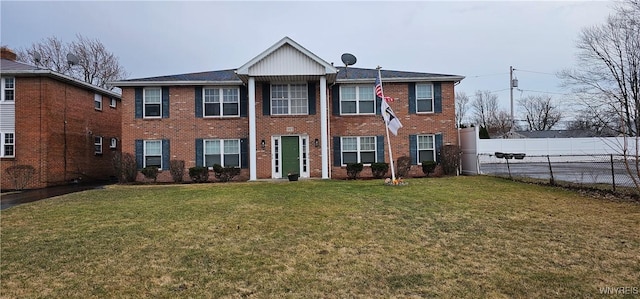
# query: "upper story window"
{"type": "Point", "coordinates": [426, 148]}
{"type": "Point", "coordinates": [289, 99]}
{"type": "Point", "coordinates": [8, 89]}
{"type": "Point", "coordinates": [358, 149]}
{"type": "Point", "coordinates": [97, 101]}
{"type": "Point", "coordinates": [8, 145]}
{"type": "Point", "coordinates": [153, 153]}
{"type": "Point", "coordinates": [97, 142]}
{"type": "Point", "coordinates": [424, 97]}
{"type": "Point", "coordinates": [225, 152]}
{"type": "Point", "coordinates": [221, 102]}
{"type": "Point", "coordinates": [152, 102]}
{"type": "Point", "coordinates": [357, 99]}
{"type": "Point", "coordinates": [113, 103]}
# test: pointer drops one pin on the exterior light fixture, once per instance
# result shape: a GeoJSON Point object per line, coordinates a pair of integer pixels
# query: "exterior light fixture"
{"type": "Point", "coordinates": [263, 144]}
{"type": "Point", "coordinates": [316, 142]}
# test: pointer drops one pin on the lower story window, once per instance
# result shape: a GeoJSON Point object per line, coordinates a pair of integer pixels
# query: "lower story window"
{"type": "Point", "coordinates": [153, 153]}
{"type": "Point", "coordinates": [8, 145]}
{"type": "Point", "coordinates": [97, 142]}
{"type": "Point", "coordinates": [225, 152]}
{"type": "Point", "coordinates": [426, 148]}
{"type": "Point", "coordinates": [359, 149]}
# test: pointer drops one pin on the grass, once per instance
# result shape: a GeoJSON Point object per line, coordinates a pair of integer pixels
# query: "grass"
{"type": "Point", "coordinates": [462, 237]}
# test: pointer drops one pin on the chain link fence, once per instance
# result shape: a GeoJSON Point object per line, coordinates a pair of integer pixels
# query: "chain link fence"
{"type": "Point", "coordinates": [607, 172]}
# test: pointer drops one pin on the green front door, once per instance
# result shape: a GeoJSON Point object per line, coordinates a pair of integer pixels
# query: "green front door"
{"type": "Point", "coordinates": [290, 155]}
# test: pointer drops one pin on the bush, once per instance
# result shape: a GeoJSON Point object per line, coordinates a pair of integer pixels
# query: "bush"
{"type": "Point", "coordinates": [225, 174]}
{"type": "Point", "coordinates": [379, 170]}
{"type": "Point", "coordinates": [450, 159]}
{"type": "Point", "coordinates": [403, 165]}
{"type": "Point", "coordinates": [428, 167]}
{"type": "Point", "coordinates": [20, 175]}
{"type": "Point", "coordinates": [199, 174]}
{"type": "Point", "coordinates": [484, 133]}
{"type": "Point", "coordinates": [125, 167]}
{"type": "Point", "coordinates": [176, 168]}
{"type": "Point", "coordinates": [150, 172]}
{"type": "Point", "coordinates": [353, 170]}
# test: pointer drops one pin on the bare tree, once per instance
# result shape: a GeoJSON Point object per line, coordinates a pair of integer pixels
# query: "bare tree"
{"type": "Point", "coordinates": [462, 106]}
{"type": "Point", "coordinates": [540, 113]}
{"type": "Point", "coordinates": [96, 65]}
{"type": "Point", "coordinates": [501, 124]}
{"type": "Point", "coordinates": [485, 108]}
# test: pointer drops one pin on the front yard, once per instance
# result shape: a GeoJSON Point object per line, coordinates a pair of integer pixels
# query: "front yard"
{"type": "Point", "coordinates": [458, 237]}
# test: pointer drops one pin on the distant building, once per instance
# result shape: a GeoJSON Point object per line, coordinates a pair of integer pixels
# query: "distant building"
{"type": "Point", "coordinates": [66, 129]}
{"type": "Point", "coordinates": [553, 134]}
{"type": "Point", "coordinates": [285, 111]}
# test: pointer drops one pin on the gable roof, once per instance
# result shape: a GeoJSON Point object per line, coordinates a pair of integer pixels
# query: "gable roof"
{"type": "Point", "coordinates": [351, 74]}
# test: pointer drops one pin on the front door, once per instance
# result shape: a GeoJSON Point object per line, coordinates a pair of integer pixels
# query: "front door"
{"type": "Point", "coordinates": [290, 155]}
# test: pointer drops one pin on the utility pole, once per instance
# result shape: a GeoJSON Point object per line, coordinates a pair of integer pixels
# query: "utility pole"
{"type": "Point", "coordinates": [512, 83]}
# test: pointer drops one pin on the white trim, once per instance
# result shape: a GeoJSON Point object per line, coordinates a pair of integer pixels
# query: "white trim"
{"type": "Point", "coordinates": [3, 89]}
{"type": "Point", "coordinates": [95, 144]}
{"type": "Point", "coordinates": [144, 152]}
{"type": "Point", "coordinates": [359, 150]}
{"type": "Point", "coordinates": [113, 102]}
{"type": "Point", "coordinates": [276, 164]}
{"type": "Point", "coordinates": [252, 129]}
{"type": "Point", "coordinates": [221, 101]}
{"type": "Point", "coordinates": [97, 98]}
{"type": "Point", "coordinates": [62, 77]}
{"type": "Point", "coordinates": [433, 142]}
{"type": "Point", "coordinates": [433, 98]}
{"type": "Point", "coordinates": [221, 146]}
{"type": "Point", "coordinates": [288, 98]}
{"type": "Point", "coordinates": [324, 125]}
{"type": "Point", "coordinates": [113, 143]}
{"type": "Point", "coordinates": [357, 99]}
{"type": "Point", "coordinates": [144, 103]}
{"type": "Point", "coordinates": [2, 144]}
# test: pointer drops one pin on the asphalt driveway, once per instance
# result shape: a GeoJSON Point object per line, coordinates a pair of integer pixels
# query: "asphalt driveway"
{"type": "Point", "coordinates": [20, 197]}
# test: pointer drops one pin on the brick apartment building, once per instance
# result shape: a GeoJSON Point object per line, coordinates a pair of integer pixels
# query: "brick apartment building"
{"type": "Point", "coordinates": [66, 129]}
{"type": "Point", "coordinates": [285, 111]}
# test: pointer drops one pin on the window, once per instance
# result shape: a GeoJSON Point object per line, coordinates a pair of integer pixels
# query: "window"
{"type": "Point", "coordinates": [426, 148]}
{"type": "Point", "coordinates": [114, 142]}
{"type": "Point", "coordinates": [225, 152]}
{"type": "Point", "coordinates": [358, 150]}
{"type": "Point", "coordinates": [357, 99]}
{"type": "Point", "coordinates": [153, 153]}
{"type": "Point", "coordinates": [8, 145]}
{"type": "Point", "coordinates": [221, 101]}
{"type": "Point", "coordinates": [152, 102]}
{"type": "Point", "coordinates": [113, 103]}
{"type": "Point", "coordinates": [8, 89]}
{"type": "Point", "coordinates": [424, 98]}
{"type": "Point", "coordinates": [289, 99]}
{"type": "Point", "coordinates": [97, 142]}
{"type": "Point", "coordinates": [97, 102]}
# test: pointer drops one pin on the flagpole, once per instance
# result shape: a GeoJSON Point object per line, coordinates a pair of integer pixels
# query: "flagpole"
{"type": "Point", "coordinates": [386, 126]}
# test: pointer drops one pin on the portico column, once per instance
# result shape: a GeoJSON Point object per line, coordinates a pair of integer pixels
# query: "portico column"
{"type": "Point", "coordinates": [324, 129]}
{"type": "Point", "coordinates": [252, 130]}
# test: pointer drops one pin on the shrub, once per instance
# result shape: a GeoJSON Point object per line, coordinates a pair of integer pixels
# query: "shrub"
{"type": "Point", "coordinates": [403, 165]}
{"type": "Point", "coordinates": [225, 174]}
{"type": "Point", "coordinates": [150, 172]}
{"type": "Point", "coordinates": [125, 167]}
{"type": "Point", "coordinates": [428, 167]}
{"type": "Point", "coordinates": [176, 168]}
{"type": "Point", "coordinates": [353, 170]}
{"type": "Point", "coordinates": [20, 175]}
{"type": "Point", "coordinates": [450, 159]}
{"type": "Point", "coordinates": [484, 133]}
{"type": "Point", "coordinates": [199, 174]}
{"type": "Point", "coordinates": [379, 170]}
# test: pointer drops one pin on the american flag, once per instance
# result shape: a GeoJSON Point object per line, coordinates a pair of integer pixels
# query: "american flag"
{"type": "Point", "coordinates": [379, 90]}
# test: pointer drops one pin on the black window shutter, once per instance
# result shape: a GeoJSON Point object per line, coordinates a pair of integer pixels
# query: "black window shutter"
{"type": "Point", "coordinates": [138, 102]}
{"type": "Point", "coordinates": [199, 152]}
{"type": "Point", "coordinates": [266, 98]}
{"type": "Point", "coordinates": [412, 98]}
{"type": "Point", "coordinates": [139, 153]}
{"type": "Point", "coordinates": [244, 153]}
{"type": "Point", "coordinates": [413, 149]}
{"type": "Point", "coordinates": [166, 153]}
{"type": "Point", "coordinates": [378, 105]}
{"type": "Point", "coordinates": [244, 100]}
{"type": "Point", "coordinates": [335, 99]}
{"type": "Point", "coordinates": [337, 152]}
{"type": "Point", "coordinates": [312, 97]}
{"type": "Point", "coordinates": [438, 145]}
{"type": "Point", "coordinates": [198, 96]}
{"type": "Point", "coordinates": [437, 97]}
{"type": "Point", "coordinates": [165, 102]}
{"type": "Point", "coordinates": [380, 148]}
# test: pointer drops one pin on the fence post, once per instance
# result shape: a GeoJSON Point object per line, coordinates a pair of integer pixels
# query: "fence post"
{"type": "Point", "coordinates": [613, 176]}
{"type": "Point", "coordinates": [552, 181]}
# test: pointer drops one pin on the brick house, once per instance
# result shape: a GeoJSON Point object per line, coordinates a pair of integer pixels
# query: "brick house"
{"type": "Point", "coordinates": [285, 111]}
{"type": "Point", "coordinates": [66, 129]}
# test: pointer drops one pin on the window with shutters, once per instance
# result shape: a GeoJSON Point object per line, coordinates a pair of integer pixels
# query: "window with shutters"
{"type": "Point", "coordinates": [426, 148]}
{"type": "Point", "coordinates": [225, 152]}
{"type": "Point", "coordinates": [221, 101]}
{"type": "Point", "coordinates": [153, 153]}
{"type": "Point", "coordinates": [357, 99]}
{"type": "Point", "coordinates": [424, 97]}
{"type": "Point", "coordinates": [360, 149]}
{"type": "Point", "coordinates": [152, 104]}
{"type": "Point", "coordinates": [289, 99]}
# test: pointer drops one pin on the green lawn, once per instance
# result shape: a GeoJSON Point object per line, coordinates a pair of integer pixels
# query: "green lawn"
{"type": "Point", "coordinates": [458, 237]}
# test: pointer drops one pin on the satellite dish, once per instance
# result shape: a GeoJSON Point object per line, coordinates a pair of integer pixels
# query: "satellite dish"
{"type": "Point", "coordinates": [37, 57]}
{"type": "Point", "coordinates": [348, 59]}
{"type": "Point", "coordinates": [72, 59]}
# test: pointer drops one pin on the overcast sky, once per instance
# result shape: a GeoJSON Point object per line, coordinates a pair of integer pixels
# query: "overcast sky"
{"type": "Point", "coordinates": [476, 39]}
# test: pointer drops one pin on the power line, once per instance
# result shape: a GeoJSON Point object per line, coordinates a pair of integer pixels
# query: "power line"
{"type": "Point", "coordinates": [538, 91]}
{"type": "Point", "coordinates": [487, 75]}
{"type": "Point", "coordinates": [535, 72]}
